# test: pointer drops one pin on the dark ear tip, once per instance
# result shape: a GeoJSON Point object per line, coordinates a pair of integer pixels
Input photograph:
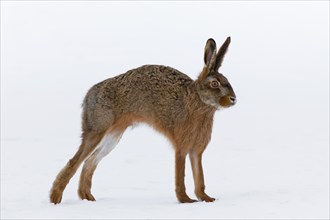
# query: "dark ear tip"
{"type": "Point", "coordinates": [228, 39]}
{"type": "Point", "coordinates": [210, 40]}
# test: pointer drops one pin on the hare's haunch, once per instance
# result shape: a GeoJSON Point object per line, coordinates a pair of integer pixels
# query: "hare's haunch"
{"type": "Point", "coordinates": [180, 108]}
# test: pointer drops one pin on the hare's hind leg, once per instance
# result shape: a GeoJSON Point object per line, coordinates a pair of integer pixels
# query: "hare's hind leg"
{"type": "Point", "coordinates": [107, 144]}
{"type": "Point", "coordinates": [89, 142]}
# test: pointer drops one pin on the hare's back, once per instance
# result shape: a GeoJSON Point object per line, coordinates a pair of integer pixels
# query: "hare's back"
{"type": "Point", "coordinates": [156, 76]}
{"type": "Point", "coordinates": [150, 82]}
{"type": "Point", "coordinates": [146, 85]}
{"type": "Point", "coordinates": [147, 78]}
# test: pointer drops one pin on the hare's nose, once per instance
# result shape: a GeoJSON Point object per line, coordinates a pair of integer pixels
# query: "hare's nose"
{"type": "Point", "coordinates": [233, 100]}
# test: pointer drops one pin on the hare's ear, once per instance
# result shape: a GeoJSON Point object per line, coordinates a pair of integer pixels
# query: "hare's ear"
{"type": "Point", "coordinates": [221, 53]}
{"type": "Point", "coordinates": [210, 53]}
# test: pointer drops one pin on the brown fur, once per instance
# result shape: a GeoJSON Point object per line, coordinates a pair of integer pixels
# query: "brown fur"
{"type": "Point", "coordinates": [175, 105]}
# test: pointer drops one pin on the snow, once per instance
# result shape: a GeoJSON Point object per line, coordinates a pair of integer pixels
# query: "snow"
{"type": "Point", "coordinates": [268, 157]}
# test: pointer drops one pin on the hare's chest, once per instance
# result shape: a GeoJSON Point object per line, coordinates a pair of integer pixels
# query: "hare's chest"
{"type": "Point", "coordinates": [202, 134]}
{"type": "Point", "coordinates": [197, 132]}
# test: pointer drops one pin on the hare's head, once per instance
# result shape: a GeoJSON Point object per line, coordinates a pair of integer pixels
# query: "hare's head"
{"type": "Point", "coordinates": [213, 87]}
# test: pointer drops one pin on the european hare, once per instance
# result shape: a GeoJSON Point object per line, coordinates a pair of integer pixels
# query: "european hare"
{"type": "Point", "coordinates": [168, 100]}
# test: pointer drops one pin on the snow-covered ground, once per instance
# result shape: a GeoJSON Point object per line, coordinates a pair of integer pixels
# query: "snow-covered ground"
{"type": "Point", "coordinates": [269, 155]}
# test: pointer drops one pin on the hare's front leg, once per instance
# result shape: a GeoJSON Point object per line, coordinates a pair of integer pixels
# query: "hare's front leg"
{"type": "Point", "coordinates": [180, 189]}
{"type": "Point", "coordinates": [196, 165]}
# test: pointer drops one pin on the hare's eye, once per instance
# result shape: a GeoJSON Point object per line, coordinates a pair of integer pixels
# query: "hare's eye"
{"type": "Point", "coordinates": [215, 84]}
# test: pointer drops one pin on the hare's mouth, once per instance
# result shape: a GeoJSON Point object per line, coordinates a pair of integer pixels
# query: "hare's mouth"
{"type": "Point", "coordinates": [227, 101]}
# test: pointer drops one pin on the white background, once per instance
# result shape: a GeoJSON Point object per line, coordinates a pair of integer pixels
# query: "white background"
{"type": "Point", "coordinates": [269, 155]}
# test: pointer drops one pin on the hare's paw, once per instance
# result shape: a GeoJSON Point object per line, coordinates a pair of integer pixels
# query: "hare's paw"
{"type": "Point", "coordinates": [206, 198]}
{"type": "Point", "coordinates": [86, 195]}
{"type": "Point", "coordinates": [55, 196]}
{"type": "Point", "coordinates": [186, 199]}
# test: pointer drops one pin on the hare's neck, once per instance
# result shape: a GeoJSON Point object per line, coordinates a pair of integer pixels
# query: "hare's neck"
{"type": "Point", "coordinates": [194, 104]}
